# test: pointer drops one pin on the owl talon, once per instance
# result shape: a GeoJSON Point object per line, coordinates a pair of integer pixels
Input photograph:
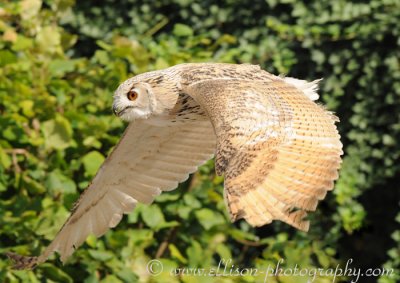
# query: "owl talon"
{"type": "Point", "coordinates": [22, 262]}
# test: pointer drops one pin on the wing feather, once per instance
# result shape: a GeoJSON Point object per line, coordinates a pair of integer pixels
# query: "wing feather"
{"type": "Point", "coordinates": [168, 155]}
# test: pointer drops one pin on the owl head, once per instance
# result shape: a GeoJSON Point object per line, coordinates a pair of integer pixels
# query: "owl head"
{"type": "Point", "coordinates": [134, 100]}
{"type": "Point", "coordinates": [145, 95]}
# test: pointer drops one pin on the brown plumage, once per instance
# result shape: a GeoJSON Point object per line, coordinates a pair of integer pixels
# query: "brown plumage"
{"type": "Point", "coordinates": [278, 150]}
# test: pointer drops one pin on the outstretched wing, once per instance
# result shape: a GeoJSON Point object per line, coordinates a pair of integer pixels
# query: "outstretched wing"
{"type": "Point", "coordinates": [147, 160]}
{"type": "Point", "coordinates": [279, 151]}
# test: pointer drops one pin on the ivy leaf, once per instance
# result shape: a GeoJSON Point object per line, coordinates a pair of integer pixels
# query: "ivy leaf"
{"type": "Point", "coordinates": [53, 273]}
{"type": "Point", "coordinates": [57, 133]}
{"type": "Point", "coordinates": [176, 253]}
{"type": "Point", "coordinates": [5, 160]}
{"type": "Point", "coordinates": [101, 255]}
{"type": "Point", "coordinates": [209, 218]}
{"type": "Point", "coordinates": [194, 253]}
{"type": "Point", "coordinates": [59, 183]}
{"type": "Point", "coordinates": [92, 162]}
{"type": "Point", "coordinates": [182, 30]}
{"type": "Point", "coordinates": [59, 68]}
{"type": "Point", "coordinates": [49, 39]}
{"type": "Point", "coordinates": [152, 216]}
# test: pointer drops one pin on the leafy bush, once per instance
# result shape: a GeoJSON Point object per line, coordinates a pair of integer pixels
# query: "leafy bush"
{"type": "Point", "coordinates": [59, 65]}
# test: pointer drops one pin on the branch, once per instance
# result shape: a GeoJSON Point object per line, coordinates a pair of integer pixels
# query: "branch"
{"type": "Point", "coordinates": [164, 244]}
{"type": "Point", "coordinates": [14, 152]}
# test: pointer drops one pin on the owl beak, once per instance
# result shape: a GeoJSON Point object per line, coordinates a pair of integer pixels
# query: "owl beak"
{"type": "Point", "coordinates": [118, 111]}
{"type": "Point", "coordinates": [115, 110]}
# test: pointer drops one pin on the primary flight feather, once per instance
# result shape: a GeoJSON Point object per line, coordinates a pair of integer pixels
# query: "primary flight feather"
{"type": "Point", "coordinates": [278, 150]}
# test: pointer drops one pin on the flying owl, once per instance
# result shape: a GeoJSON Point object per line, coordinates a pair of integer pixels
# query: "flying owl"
{"type": "Point", "coordinates": [278, 150]}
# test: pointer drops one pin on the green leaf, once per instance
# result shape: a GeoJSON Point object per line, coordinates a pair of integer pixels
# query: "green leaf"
{"type": "Point", "coordinates": [127, 275]}
{"type": "Point", "coordinates": [182, 30]}
{"type": "Point", "coordinates": [92, 142]}
{"type": "Point", "coordinates": [176, 253]}
{"type": "Point", "coordinates": [56, 182]}
{"type": "Point", "coordinates": [223, 251]}
{"type": "Point", "coordinates": [59, 68]}
{"type": "Point", "coordinates": [91, 240]}
{"type": "Point", "coordinates": [22, 43]}
{"type": "Point", "coordinates": [141, 237]}
{"type": "Point", "coordinates": [209, 218]}
{"type": "Point", "coordinates": [152, 216]}
{"type": "Point", "coordinates": [194, 253]}
{"type": "Point", "coordinates": [51, 221]}
{"type": "Point", "coordinates": [165, 276]}
{"type": "Point", "coordinates": [168, 224]}
{"type": "Point", "coordinates": [32, 186]}
{"type": "Point", "coordinates": [57, 133]}
{"type": "Point", "coordinates": [101, 255]}
{"type": "Point", "coordinates": [111, 279]}
{"type": "Point", "coordinates": [5, 160]}
{"type": "Point", "coordinates": [191, 201]}
{"type": "Point", "coordinates": [53, 273]}
{"type": "Point", "coordinates": [6, 57]}
{"type": "Point", "coordinates": [2, 187]}
{"type": "Point", "coordinates": [49, 39]}
{"type": "Point", "coordinates": [27, 108]}
{"type": "Point", "coordinates": [92, 162]}
{"type": "Point", "coordinates": [91, 279]}
{"type": "Point", "coordinates": [30, 8]}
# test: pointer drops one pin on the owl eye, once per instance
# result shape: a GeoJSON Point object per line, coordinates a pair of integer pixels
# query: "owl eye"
{"type": "Point", "coordinates": [132, 95]}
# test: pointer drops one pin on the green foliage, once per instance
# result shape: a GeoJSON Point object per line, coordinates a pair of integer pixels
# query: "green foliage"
{"type": "Point", "coordinates": [60, 62]}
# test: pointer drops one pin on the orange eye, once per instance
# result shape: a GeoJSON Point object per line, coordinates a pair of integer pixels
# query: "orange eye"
{"type": "Point", "coordinates": [132, 95]}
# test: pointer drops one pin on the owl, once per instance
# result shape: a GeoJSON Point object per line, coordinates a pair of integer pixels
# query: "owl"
{"type": "Point", "coordinates": [279, 151]}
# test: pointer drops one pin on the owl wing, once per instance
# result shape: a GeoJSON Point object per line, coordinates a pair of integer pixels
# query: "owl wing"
{"type": "Point", "coordinates": [279, 151]}
{"type": "Point", "coordinates": [148, 159]}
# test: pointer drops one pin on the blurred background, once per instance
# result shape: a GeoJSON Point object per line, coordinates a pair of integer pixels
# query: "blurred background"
{"type": "Point", "coordinates": [60, 62]}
